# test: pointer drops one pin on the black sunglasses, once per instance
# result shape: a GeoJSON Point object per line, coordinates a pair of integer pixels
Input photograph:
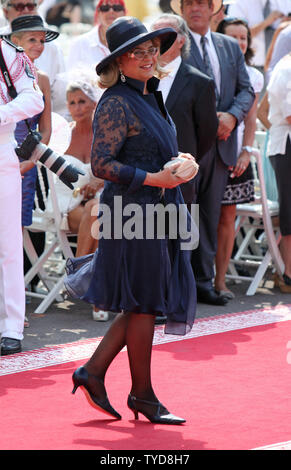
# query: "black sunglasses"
{"type": "Point", "coordinates": [116, 7]}
{"type": "Point", "coordinates": [21, 6]}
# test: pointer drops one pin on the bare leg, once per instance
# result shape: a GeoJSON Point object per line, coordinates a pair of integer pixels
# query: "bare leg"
{"type": "Point", "coordinates": [74, 218]}
{"type": "Point", "coordinates": [86, 243]}
{"type": "Point", "coordinates": [225, 242]}
{"type": "Point", "coordinates": [285, 248]}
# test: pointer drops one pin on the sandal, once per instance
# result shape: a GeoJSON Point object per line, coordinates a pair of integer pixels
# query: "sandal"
{"type": "Point", "coordinates": [100, 315]}
{"type": "Point", "coordinates": [284, 283]}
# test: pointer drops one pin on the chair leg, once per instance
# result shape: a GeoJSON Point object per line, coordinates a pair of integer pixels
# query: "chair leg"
{"type": "Point", "coordinates": [259, 274]}
{"type": "Point", "coordinates": [50, 297]}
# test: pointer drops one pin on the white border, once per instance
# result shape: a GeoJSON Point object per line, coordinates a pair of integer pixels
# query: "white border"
{"type": "Point", "coordinates": [280, 446]}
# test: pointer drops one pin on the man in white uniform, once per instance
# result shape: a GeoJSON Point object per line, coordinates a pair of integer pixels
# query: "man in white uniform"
{"type": "Point", "coordinates": [51, 61]}
{"type": "Point", "coordinates": [29, 102]}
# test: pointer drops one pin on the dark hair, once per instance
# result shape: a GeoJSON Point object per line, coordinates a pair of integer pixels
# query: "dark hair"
{"type": "Point", "coordinates": [209, 2]}
{"type": "Point", "coordinates": [238, 22]}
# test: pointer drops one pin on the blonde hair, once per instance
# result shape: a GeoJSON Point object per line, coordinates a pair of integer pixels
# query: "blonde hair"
{"type": "Point", "coordinates": [17, 35]}
{"type": "Point", "coordinates": [111, 73]}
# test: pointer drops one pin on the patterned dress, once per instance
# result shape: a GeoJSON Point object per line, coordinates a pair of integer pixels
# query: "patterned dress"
{"type": "Point", "coordinates": [241, 189]}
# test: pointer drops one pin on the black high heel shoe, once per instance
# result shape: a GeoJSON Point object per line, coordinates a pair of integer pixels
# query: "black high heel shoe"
{"type": "Point", "coordinates": [161, 416]}
{"type": "Point", "coordinates": [81, 379]}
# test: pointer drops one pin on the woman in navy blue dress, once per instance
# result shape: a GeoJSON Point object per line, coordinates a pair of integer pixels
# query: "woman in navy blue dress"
{"type": "Point", "coordinates": [140, 276]}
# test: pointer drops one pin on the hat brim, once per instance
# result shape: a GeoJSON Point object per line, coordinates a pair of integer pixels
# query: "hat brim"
{"type": "Point", "coordinates": [176, 6]}
{"type": "Point", "coordinates": [50, 34]}
{"type": "Point", "coordinates": [167, 36]}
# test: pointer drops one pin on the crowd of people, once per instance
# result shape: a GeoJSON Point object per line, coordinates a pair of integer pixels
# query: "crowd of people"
{"type": "Point", "coordinates": [228, 65]}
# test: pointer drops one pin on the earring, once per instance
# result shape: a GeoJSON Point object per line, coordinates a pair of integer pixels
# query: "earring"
{"type": "Point", "coordinates": [122, 77]}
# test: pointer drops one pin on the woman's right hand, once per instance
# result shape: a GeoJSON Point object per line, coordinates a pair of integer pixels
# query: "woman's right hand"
{"type": "Point", "coordinates": [165, 178]}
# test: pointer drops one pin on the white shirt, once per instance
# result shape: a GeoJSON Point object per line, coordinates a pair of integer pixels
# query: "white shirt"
{"type": "Point", "coordinates": [257, 82]}
{"type": "Point", "coordinates": [281, 48]}
{"type": "Point", "coordinates": [212, 55]}
{"type": "Point", "coordinates": [279, 94]}
{"type": "Point", "coordinates": [253, 12]}
{"type": "Point", "coordinates": [52, 63]}
{"type": "Point", "coordinates": [87, 49]}
{"type": "Point", "coordinates": [45, 5]}
{"type": "Point", "coordinates": [167, 82]}
{"type": "Point", "coordinates": [284, 6]}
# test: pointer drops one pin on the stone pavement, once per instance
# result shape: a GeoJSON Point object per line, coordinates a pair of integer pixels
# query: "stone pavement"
{"type": "Point", "coordinates": [72, 321]}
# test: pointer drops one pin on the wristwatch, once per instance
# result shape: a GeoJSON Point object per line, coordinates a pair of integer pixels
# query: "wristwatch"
{"type": "Point", "coordinates": [248, 148]}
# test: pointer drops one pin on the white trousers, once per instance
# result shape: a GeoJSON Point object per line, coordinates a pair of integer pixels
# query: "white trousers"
{"type": "Point", "coordinates": [12, 289]}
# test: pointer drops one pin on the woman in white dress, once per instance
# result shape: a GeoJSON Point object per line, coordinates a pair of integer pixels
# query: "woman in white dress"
{"type": "Point", "coordinates": [80, 207]}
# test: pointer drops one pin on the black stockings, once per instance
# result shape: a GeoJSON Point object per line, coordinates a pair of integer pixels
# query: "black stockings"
{"type": "Point", "coordinates": [136, 332]}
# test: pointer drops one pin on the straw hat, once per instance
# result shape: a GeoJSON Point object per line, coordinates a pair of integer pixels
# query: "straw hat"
{"type": "Point", "coordinates": [176, 6]}
{"type": "Point", "coordinates": [32, 23]}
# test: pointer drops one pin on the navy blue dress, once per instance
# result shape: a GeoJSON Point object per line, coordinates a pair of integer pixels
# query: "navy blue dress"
{"type": "Point", "coordinates": [133, 135]}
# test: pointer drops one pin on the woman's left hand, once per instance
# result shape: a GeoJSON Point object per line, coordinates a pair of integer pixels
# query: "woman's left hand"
{"type": "Point", "coordinates": [243, 162]}
{"type": "Point", "coordinates": [89, 190]}
{"type": "Point", "coordinates": [25, 166]}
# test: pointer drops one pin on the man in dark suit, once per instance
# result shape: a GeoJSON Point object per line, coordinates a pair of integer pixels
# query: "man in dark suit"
{"type": "Point", "coordinates": [220, 57]}
{"type": "Point", "coordinates": [189, 96]}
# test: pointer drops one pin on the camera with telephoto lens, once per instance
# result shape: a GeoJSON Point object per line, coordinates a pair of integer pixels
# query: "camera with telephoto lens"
{"type": "Point", "coordinates": [34, 150]}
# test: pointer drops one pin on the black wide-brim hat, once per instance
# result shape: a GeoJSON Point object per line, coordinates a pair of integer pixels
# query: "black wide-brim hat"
{"type": "Point", "coordinates": [32, 23]}
{"type": "Point", "coordinates": [127, 32]}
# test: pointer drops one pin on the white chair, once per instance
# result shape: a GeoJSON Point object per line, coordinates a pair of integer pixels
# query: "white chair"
{"type": "Point", "coordinates": [53, 222]}
{"type": "Point", "coordinates": [50, 221]}
{"type": "Point", "coordinates": [253, 250]}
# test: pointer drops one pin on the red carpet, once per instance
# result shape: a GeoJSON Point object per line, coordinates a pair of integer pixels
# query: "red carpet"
{"type": "Point", "coordinates": [232, 387]}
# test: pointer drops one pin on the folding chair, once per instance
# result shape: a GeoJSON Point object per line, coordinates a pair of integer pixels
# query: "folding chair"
{"type": "Point", "coordinates": [258, 246]}
{"type": "Point", "coordinates": [49, 221]}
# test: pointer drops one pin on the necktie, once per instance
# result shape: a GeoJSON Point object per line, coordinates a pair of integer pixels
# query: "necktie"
{"type": "Point", "coordinates": [268, 31]}
{"type": "Point", "coordinates": [267, 9]}
{"type": "Point", "coordinates": [207, 63]}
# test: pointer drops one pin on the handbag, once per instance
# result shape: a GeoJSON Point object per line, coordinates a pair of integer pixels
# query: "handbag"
{"type": "Point", "coordinates": [187, 169]}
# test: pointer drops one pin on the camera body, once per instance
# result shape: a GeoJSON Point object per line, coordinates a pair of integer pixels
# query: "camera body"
{"type": "Point", "coordinates": [26, 149]}
{"type": "Point", "coordinates": [34, 150]}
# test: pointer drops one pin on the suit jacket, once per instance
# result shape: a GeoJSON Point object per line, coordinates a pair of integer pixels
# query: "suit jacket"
{"type": "Point", "coordinates": [236, 94]}
{"type": "Point", "coordinates": [191, 104]}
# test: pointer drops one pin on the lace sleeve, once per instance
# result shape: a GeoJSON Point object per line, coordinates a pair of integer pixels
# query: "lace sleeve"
{"type": "Point", "coordinates": [111, 129]}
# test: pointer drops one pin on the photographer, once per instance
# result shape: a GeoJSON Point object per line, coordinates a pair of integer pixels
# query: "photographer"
{"type": "Point", "coordinates": [27, 103]}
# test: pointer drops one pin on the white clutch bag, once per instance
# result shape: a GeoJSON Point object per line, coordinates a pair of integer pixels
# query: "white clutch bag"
{"type": "Point", "coordinates": [187, 169]}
